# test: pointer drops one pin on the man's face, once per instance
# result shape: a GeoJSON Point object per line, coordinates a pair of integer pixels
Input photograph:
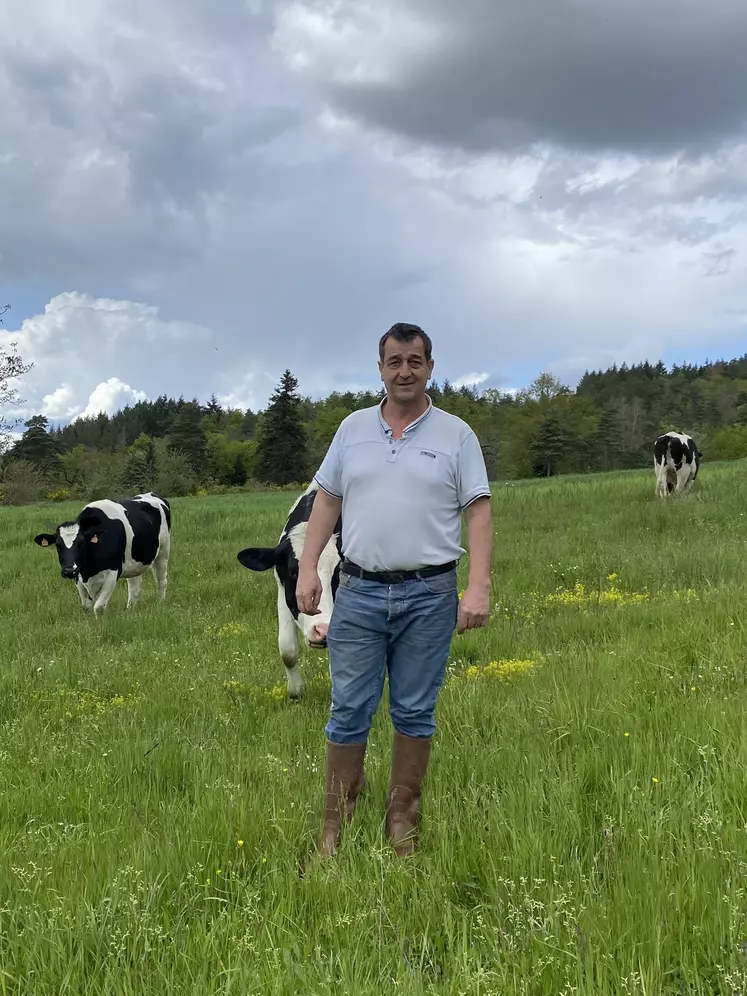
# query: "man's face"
{"type": "Point", "coordinates": [405, 370]}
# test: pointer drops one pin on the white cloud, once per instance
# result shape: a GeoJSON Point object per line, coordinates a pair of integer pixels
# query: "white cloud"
{"type": "Point", "coordinates": [60, 404]}
{"type": "Point", "coordinates": [88, 351]}
{"type": "Point", "coordinates": [109, 397]}
{"type": "Point", "coordinates": [471, 380]}
{"type": "Point", "coordinates": [363, 46]}
{"type": "Point", "coordinates": [244, 394]}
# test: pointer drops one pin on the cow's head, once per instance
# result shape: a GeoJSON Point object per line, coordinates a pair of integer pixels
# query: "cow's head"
{"type": "Point", "coordinates": [284, 558]}
{"type": "Point", "coordinates": [73, 541]}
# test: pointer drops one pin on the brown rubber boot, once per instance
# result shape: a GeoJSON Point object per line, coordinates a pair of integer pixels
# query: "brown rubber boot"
{"type": "Point", "coordinates": [345, 781]}
{"type": "Point", "coordinates": [410, 757]}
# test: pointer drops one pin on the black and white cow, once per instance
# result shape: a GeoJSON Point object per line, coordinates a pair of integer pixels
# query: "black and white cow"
{"type": "Point", "coordinates": [676, 462]}
{"type": "Point", "coordinates": [110, 540]}
{"type": "Point", "coordinates": [284, 559]}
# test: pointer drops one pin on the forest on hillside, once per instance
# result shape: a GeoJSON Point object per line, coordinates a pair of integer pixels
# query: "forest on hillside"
{"type": "Point", "coordinates": [180, 447]}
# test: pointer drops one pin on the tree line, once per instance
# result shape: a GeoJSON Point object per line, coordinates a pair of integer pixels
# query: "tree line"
{"type": "Point", "coordinates": [180, 447]}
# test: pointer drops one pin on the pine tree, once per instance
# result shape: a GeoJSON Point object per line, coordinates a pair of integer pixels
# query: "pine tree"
{"type": "Point", "coordinates": [135, 477]}
{"type": "Point", "coordinates": [36, 445]}
{"type": "Point", "coordinates": [238, 475]}
{"type": "Point", "coordinates": [281, 450]}
{"type": "Point", "coordinates": [552, 442]}
{"type": "Point", "coordinates": [608, 443]}
{"type": "Point", "coordinates": [249, 423]}
{"type": "Point", "coordinates": [214, 417]}
{"type": "Point", "coordinates": [140, 467]}
{"type": "Point", "coordinates": [188, 436]}
{"type": "Point", "coordinates": [741, 407]}
{"type": "Point", "coordinates": [151, 465]}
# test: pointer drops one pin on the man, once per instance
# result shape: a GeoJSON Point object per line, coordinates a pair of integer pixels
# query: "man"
{"type": "Point", "coordinates": [402, 473]}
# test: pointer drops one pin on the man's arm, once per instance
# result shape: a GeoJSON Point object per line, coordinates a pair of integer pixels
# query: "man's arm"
{"type": "Point", "coordinates": [322, 520]}
{"type": "Point", "coordinates": [479, 542]}
{"type": "Point", "coordinates": [474, 606]}
{"type": "Point", "coordinates": [474, 497]}
{"type": "Point", "coordinates": [324, 515]}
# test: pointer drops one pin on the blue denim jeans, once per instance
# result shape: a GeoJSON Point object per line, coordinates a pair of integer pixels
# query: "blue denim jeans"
{"type": "Point", "coordinates": [403, 630]}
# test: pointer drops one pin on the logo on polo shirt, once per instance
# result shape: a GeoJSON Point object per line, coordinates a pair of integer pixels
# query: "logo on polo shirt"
{"type": "Point", "coordinates": [428, 453]}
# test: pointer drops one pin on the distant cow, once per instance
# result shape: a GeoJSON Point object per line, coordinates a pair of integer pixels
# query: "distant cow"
{"type": "Point", "coordinates": [284, 558]}
{"type": "Point", "coordinates": [676, 462]}
{"type": "Point", "coordinates": [110, 540]}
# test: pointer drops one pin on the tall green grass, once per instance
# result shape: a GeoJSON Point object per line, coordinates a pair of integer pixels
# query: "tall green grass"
{"type": "Point", "coordinates": [584, 816]}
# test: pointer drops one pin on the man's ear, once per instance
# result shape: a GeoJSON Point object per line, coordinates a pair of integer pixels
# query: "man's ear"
{"type": "Point", "coordinates": [45, 539]}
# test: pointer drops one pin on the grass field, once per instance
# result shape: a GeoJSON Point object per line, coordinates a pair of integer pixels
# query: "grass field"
{"type": "Point", "coordinates": [584, 816]}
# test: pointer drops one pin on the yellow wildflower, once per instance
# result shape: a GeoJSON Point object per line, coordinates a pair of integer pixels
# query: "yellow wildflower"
{"type": "Point", "coordinates": [499, 669]}
{"type": "Point", "coordinates": [579, 595]}
{"type": "Point", "coordinates": [229, 629]}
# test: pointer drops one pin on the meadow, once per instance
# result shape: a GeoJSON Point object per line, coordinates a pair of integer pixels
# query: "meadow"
{"type": "Point", "coordinates": [584, 816]}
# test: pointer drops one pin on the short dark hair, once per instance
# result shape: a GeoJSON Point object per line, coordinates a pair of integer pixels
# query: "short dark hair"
{"type": "Point", "coordinates": [404, 332]}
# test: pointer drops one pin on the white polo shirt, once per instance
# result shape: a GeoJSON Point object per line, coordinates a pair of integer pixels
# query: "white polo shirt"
{"type": "Point", "coordinates": [403, 498]}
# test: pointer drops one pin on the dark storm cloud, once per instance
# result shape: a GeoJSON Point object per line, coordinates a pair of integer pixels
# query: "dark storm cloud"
{"type": "Point", "coordinates": [164, 155]}
{"type": "Point", "coordinates": [625, 75]}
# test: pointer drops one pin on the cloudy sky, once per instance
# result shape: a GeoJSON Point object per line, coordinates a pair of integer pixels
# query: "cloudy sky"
{"type": "Point", "coordinates": [195, 195]}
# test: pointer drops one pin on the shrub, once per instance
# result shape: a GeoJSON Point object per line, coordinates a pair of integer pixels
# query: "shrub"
{"type": "Point", "coordinates": [23, 483]}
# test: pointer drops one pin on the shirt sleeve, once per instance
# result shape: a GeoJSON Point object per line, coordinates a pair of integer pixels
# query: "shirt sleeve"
{"type": "Point", "coordinates": [329, 474]}
{"type": "Point", "coordinates": [472, 474]}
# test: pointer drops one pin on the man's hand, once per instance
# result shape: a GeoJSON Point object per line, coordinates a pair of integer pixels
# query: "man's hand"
{"type": "Point", "coordinates": [308, 591]}
{"type": "Point", "coordinates": [474, 609]}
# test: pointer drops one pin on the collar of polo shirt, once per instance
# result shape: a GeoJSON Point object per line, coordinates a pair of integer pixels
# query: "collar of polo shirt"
{"type": "Point", "coordinates": [388, 429]}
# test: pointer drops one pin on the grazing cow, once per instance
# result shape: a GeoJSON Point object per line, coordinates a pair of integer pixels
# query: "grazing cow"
{"type": "Point", "coordinates": [676, 462]}
{"type": "Point", "coordinates": [110, 540]}
{"type": "Point", "coordinates": [284, 558]}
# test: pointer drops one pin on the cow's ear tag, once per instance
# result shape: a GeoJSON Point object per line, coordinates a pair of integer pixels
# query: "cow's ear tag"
{"type": "Point", "coordinates": [44, 542]}
{"type": "Point", "coordinates": [94, 539]}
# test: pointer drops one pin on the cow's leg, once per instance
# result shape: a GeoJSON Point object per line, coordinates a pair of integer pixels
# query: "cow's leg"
{"type": "Point", "coordinates": [85, 599]}
{"type": "Point", "coordinates": [661, 479]}
{"type": "Point", "coordinates": [134, 587]}
{"type": "Point", "coordinates": [288, 646]}
{"type": "Point", "coordinates": [161, 569]}
{"type": "Point", "coordinates": [108, 584]}
{"type": "Point", "coordinates": [683, 473]}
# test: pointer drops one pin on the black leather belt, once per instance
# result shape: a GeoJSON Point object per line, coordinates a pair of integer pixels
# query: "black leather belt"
{"type": "Point", "coordinates": [395, 577]}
